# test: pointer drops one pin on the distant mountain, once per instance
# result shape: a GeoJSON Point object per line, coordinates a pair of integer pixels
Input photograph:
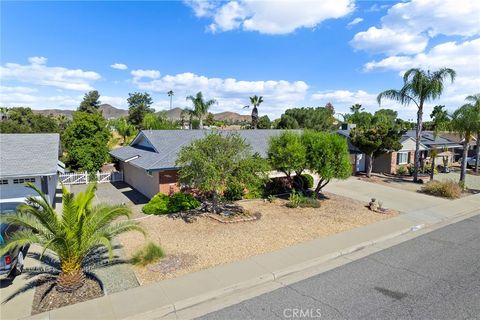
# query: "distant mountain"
{"type": "Point", "coordinates": [110, 112]}
{"type": "Point", "coordinates": [232, 116]}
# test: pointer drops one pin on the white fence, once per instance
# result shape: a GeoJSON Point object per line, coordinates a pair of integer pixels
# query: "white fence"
{"type": "Point", "coordinates": [85, 177]}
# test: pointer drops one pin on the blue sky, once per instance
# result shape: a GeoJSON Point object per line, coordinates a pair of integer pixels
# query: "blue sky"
{"type": "Point", "coordinates": [303, 54]}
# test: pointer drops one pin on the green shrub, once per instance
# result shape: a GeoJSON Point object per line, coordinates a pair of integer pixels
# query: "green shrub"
{"type": "Point", "coordinates": [296, 200]}
{"type": "Point", "coordinates": [182, 202]}
{"type": "Point", "coordinates": [162, 204]}
{"type": "Point", "coordinates": [446, 189]}
{"type": "Point", "coordinates": [148, 254]}
{"type": "Point", "coordinates": [305, 180]}
{"type": "Point", "coordinates": [402, 170]}
{"type": "Point", "coordinates": [157, 205]}
{"type": "Point", "coordinates": [234, 192]}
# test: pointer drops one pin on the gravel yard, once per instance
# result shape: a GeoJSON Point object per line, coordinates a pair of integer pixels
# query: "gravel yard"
{"type": "Point", "coordinates": [207, 242]}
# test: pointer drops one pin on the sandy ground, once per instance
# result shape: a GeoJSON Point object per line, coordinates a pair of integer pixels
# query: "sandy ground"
{"type": "Point", "coordinates": [213, 243]}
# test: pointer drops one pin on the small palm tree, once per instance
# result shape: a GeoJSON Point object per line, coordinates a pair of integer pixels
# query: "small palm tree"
{"type": "Point", "coordinates": [356, 108]}
{"type": "Point", "coordinates": [465, 123]}
{"type": "Point", "coordinates": [419, 86]}
{"type": "Point", "coordinates": [200, 106]}
{"type": "Point", "coordinates": [80, 229]}
{"type": "Point", "coordinates": [255, 101]}
{"type": "Point", "coordinates": [475, 101]}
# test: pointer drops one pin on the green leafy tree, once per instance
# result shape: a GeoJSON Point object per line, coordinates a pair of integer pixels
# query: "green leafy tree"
{"type": "Point", "coordinates": [210, 120]}
{"type": "Point", "coordinates": [287, 154]}
{"type": "Point", "coordinates": [90, 102]}
{"type": "Point", "coordinates": [440, 118]}
{"type": "Point", "coordinates": [255, 101]}
{"type": "Point", "coordinates": [321, 119]}
{"type": "Point", "coordinates": [24, 120]}
{"type": "Point", "coordinates": [419, 86]}
{"type": "Point", "coordinates": [474, 100]}
{"type": "Point", "coordinates": [327, 156]}
{"type": "Point", "coordinates": [124, 128]}
{"type": "Point", "coordinates": [465, 122]}
{"type": "Point", "coordinates": [139, 104]}
{"type": "Point", "coordinates": [86, 141]}
{"type": "Point", "coordinates": [201, 106]}
{"type": "Point", "coordinates": [264, 122]}
{"type": "Point", "coordinates": [74, 235]}
{"type": "Point", "coordinates": [158, 121]}
{"type": "Point", "coordinates": [217, 161]}
{"type": "Point", "coordinates": [381, 137]}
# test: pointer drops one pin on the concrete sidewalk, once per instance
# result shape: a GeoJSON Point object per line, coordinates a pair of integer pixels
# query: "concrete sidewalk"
{"type": "Point", "coordinates": [393, 198]}
{"type": "Point", "coordinates": [167, 299]}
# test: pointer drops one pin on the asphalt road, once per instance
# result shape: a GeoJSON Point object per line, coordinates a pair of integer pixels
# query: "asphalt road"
{"type": "Point", "coordinates": [434, 276]}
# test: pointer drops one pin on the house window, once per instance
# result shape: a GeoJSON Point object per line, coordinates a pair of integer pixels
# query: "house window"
{"type": "Point", "coordinates": [4, 181]}
{"type": "Point", "coordinates": [402, 158]}
{"type": "Point", "coordinates": [23, 180]}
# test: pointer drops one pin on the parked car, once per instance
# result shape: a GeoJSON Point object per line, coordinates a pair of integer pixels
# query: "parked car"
{"type": "Point", "coordinates": [471, 161]}
{"type": "Point", "coordinates": [11, 264]}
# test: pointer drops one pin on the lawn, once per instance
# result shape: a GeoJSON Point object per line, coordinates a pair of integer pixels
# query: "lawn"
{"type": "Point", "coordinates": [205, 243]}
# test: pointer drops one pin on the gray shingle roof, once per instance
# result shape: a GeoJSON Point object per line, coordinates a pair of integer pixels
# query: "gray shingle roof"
{"type": "Point", "coordinates": [430, 140]}
{"type": "Point", "coordinates": [28, 154]}
{"type": "Point", "coordinates": [169, 142]}
{"type": "Point", "coordinates": [346, 133]}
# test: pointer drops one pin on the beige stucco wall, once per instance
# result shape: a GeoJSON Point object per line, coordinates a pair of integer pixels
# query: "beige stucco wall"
{"type": "Point", "coordinates": [140, 180]}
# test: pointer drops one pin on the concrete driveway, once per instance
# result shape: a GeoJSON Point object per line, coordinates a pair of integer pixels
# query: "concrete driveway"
{"type": "Point", "coordinates": [392, 198]}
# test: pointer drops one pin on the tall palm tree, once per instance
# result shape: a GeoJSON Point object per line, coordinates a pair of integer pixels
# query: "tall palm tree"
{"type": "Point", "coordinates": [201, 106]}
{"type": "Point", "coordinates": [419, 86]}
{"type": "Point", "coordinates": [356, 108]}
{"type": "Point", "coordinates": [475, 101]}
{"type": "Point", "coordinates": [72, 235]}
{"type": "Point", "coordinates": [255, 101]}
{"type": "Point", "coordinates": [170, 94]}
{"type": "Point", "coordinates": [465, 123]}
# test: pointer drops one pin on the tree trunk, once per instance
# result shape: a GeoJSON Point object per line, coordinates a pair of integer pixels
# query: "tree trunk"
{"type": "Point", "coordinates": [254, 117]}
{"type": "Point", "coordinates": [418, 136]}
{"type": "Point", "coordinates": [201, 122]}
{"type": "Point", "coordinates": [463, 171]}
{"type": "Point", "coordinates": [369, 165]}
{"type": "Point", "coordinates": [215, 202]}
{"type": "Point", "coordinates": [321, 184]}
{"type": "Point", "coordinates": [71, 277]}
{"type": "Point", "coordinates": [432, 169]}
{"type": "Point", "coordinates": [478, 153]}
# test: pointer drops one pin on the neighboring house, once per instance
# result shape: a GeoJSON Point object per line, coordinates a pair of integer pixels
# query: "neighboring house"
{"type": "Point", "coordinates": [28, 158]}
{"type": "Point", "coordinates": [148, 163]}
{"type": "Point", "coordinates": [389, 162]}
{"type": "Point", "coordinates": [458, 152]}
{"type": "Point", "coordinates": [444, 146]}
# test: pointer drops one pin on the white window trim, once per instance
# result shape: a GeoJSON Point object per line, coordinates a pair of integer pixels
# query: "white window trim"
{"type": "Point", "coordinates": [398, 158]}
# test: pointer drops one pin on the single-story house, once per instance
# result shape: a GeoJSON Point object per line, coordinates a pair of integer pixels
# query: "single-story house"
{"type": "Point", "coordinates": [389, 162]}
{"type": "Point", "coordinates": [148, 163]}
{"type": "Point", "coordinates": [28, 158]}
{"type": "Point", "coordinates": [456, 138]}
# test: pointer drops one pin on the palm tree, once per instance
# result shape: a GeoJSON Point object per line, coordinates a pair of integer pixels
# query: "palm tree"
{"type": "Point", "coordinates": [73, 235]}
{"type": "Point", "coordinates": [465, 123]}
{"type": "Point", "coordinates": [170, 94]}
{"type": "Point", "coordinates": [419, 86]}
{"type": "Point", "coordinates": [475, 101]}
{"type": "Point", "coordinates": [255, 101]}
{"type": "Point", "coordinates": [356, 108]}
{"type": "Point", "coordinates": [200, 106]}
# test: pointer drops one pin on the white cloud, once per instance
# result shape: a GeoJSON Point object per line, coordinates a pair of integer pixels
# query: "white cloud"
{"type": "Point", "coordinates": [119, 66]}
{"type": "Point", "coordinates": [407, 26]}
{"type": "Point", "coordinates": [231, 94]}
{"type": "Point", "coordinates": [117, 102]}
{"type": "Point", "coordinates": [139, 74]}
{"type": "Point", "coordinates": [270, 17]}
{"type": "Point", "coordinates": [7, 89]}
{"type": "Point", "coordinates": [389, 41]}
{"type": "Point", "coordinates": [355, 21]}
{"type": "Point", "coordinates": [463, 57]}
{"type": "Point", "coordinates": [37, 72]}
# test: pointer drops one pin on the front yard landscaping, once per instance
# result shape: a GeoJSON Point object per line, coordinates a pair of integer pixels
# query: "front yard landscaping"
{"type": "Point", "coordinates": [205, 243]}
